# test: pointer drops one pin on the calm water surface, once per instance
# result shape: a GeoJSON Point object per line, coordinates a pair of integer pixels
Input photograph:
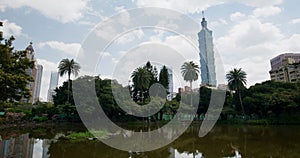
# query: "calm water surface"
{"type": "Point", "coordinates": [222, 141]}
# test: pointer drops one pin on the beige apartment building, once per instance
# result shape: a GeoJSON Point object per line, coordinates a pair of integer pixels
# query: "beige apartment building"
{"type": "Point", "coordinates": [288, 71]}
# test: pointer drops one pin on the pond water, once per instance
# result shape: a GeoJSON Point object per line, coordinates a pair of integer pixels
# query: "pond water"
{"type": "Point", "coordinates": [222, 141]}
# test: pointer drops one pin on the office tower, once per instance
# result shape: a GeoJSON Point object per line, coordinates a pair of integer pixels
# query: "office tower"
{"type": "Point", "coordinates": [53, 84]}
{"type": "Point", "coordinates": [36, 73]}
{"type": "Point", "coordinates": [207, 59]}
{"type": "Point", "coordinates": [37, 83]}
{"type": "Point", "coordinates": [170, 72]}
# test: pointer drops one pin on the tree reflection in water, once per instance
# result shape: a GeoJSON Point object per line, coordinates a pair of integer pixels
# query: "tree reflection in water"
{"type": "Point", "coordinates": [222, 141]}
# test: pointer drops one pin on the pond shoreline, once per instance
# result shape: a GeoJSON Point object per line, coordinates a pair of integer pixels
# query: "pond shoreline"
{"type": "Point", "coordinates": [40, 124]}
{"type": "Point", "coordinates": [198, 122]}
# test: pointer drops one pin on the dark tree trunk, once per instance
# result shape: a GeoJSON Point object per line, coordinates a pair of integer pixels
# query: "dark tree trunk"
{"type": "Point", "coordinates": [241, 102]}
{"type": "Point", "coordinates": [69, 75]}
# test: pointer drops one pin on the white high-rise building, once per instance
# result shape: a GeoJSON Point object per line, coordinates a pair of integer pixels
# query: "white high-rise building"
{"type": "Point", "coordinates": [170, 72]}
{"type": "Point", "coordinates": [37, 83]}
{"type": "Point", "coordinates": [207, 59]}
{"type": "Point", "coordinates": [53, 84]}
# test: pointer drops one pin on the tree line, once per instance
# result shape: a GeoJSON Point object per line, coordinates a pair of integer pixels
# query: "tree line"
{"type": "Point", "coordinates": [268, 100]}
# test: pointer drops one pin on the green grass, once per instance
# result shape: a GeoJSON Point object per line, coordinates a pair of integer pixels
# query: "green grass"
{"type": "Point", "coordinates": [84, 136]}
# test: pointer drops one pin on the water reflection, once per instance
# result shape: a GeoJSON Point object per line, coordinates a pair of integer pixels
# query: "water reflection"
{"type": "Point", "coordinates": [20, 146]}
{"type": "Point", "coordinates": [222, 141]}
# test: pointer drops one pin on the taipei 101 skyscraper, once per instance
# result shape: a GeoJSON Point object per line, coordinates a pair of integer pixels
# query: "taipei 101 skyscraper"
{"type": "Point", "coordinates": [207, 59]}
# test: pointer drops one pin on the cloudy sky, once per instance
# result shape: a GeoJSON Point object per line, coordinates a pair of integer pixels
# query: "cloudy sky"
{"type": "Point", "coordinates": [247, 33]}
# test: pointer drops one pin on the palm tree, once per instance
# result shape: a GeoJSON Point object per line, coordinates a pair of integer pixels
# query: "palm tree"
{"type": "Point", "coordinates": [141, 80]}
{"type": "Point", "coordinates": [69, 67]}
{"type": "Point", "coordinates": [190, 72]}
{"type": "Point", "coordinates": [236, 81]}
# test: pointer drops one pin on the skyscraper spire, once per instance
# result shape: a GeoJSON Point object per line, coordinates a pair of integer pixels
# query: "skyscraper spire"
{"type": "Point", "coordinates": [203, 22]}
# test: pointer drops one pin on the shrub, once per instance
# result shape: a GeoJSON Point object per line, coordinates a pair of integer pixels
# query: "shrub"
{"type": "Point", "coordinates": [40, 118]}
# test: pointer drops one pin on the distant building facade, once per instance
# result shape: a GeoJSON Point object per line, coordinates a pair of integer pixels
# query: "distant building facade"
{"type": "Point", "coordinates": [170, 72]}
{"type": "Point", "coordinates": [207, 59]}
{"type": "Point", "coordinates": [37, 83]}
{"type": "Point", "coordinates": [53, 84]}
{"type": "Point", "coordinates": [277, 62]}
{"type": "Point", "coordinates": [285, 68]}
{"type": "Point", "coordinates": [36, 73]}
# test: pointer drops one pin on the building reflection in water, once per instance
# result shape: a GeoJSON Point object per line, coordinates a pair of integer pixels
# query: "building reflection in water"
{"type": "Point", "coordinates": [24, 147]}
{"type": "Point", "coordinates": [19, 147]}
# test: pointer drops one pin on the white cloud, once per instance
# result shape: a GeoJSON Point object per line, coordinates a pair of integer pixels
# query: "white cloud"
{"type": "Point", "coordinates": [236, 16]}
{"type": "Point", "coordinates": [251, 32]}
{"type": "Point", "coordinates": [192, 6]}
{"type": "Point", "coordinates": [61, 10]}
{"type": "Point", "coordinates": [196, 6]}
{"type": "Point", "coordinates": [183, 47]}
{"type": "Point", "coordinates": [110, 27]}
{"type": "Point", "coordinates": [130, 36]}
{"type": "Point", "coordinates": [11, 29]}
{"type": "Point", "coordinates": [295, 21]}
{"type": "Point", "coordinates": [219, 22]}
{"type": "Point", "coordinates": [266, 11]}
{"type": "Point", "coordinates": [291, 44]}
{"type": "Point", "coordinates": [250, 44]}
{"type": "Point", "coordinates": [120, 8]}
{"type": "Point", "coordinates": [260, 3]}
{"type": "Point", "coordinates": [69, 48]}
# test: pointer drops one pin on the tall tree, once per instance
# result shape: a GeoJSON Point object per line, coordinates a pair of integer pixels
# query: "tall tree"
{"type": "Point", "coordinates": [164, 77]}
{"type": "Point", "coordinates": [68, 67]}
{"type": "Point", "coordinates": [61, 94]}
{"type": "Point", "coordinates": [13, 76]}
{"type": "Point", "coordinates": [152, 71]}
{"type": "Point", "coordinates": [236, 81]}
{"type": "Point", "coordinates": [141, 81]}
{"type": "Point", "coordinates": [190, 72]}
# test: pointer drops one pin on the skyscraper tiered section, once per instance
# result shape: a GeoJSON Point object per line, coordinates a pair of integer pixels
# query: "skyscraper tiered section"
{"type": "Point", "coordinates": [207, 59]}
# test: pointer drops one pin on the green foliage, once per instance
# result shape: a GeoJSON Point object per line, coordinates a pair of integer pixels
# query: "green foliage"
{"type": "Point", "coordinates": [205, 94]}
{"type": "Point", "coordinates": [153, 72]}
{"type": "Point", "coordinates": [62, 94]}
{"type": "Point", "coordinates": [69, 67]}
{"type": "Point", "coordinates": [141, 82]}
{"type": "Point", "coordinates": [272, 99]}
{"type": "Point", "coordinates": [40, 118]}
{"type": "Point", "coordinates": [69, 112]}
{"type": "Point", "coordinates": [83, 136]}
{"type": "Point", "coordinates": [190, 72]}
{"type": "Point", "coordinates": [45, 109]}
{"type": "Point", "coordinates": [143, 78]}
{"type": "Point", "coordinates": [164, 77]}
{"type": "Point", "coordinates": [236, 81]}
{"type": "Point", "coordinates": [13, 75]}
